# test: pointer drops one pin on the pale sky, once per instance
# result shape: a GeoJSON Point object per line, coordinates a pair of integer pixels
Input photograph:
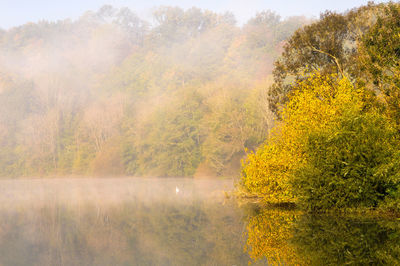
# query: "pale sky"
{"type": "Point", "coordinates": [17, 12]}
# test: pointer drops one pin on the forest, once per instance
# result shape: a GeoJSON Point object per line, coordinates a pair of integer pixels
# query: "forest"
{"type": "Point", "coordinates": [307, 112]}
{"type": "Point", "coordinates": [185, 94]}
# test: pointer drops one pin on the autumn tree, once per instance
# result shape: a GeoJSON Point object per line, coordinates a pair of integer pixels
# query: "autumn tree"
{"type": "Point", "coordinates": [329, 151]}
{"type": "Point", "coordinates": [328, 45]}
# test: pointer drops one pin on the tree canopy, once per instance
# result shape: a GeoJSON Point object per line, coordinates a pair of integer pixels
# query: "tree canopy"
{"type": "Point", "coordinates": [112, 94]}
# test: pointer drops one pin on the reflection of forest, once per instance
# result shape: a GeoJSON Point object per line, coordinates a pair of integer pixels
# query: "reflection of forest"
{"type": "Point", "coordinates": [133, 233]}
{"type": "Point", "coordinates": [191, 233]}
{"type": "Point", "coordinates": [286, 237]}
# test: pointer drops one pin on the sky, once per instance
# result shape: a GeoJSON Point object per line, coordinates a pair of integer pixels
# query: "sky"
{"type": "Point", "coordinates": [18, 12]}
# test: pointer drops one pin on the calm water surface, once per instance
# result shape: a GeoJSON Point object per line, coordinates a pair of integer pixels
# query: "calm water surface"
{"type": "Point", "coordinates": [132, 221]}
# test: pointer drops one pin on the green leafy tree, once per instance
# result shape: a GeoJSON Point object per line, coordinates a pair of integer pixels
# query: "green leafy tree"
{"type": "Point", "coordinates": [352, 164]}
{"type": "Point", "coordinates": [379, 57]}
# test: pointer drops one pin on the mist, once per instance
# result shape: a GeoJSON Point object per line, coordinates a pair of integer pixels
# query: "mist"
{"type": "Point", "coordinates": [117, 221]}
{"type": "Point", "coordinates": [112, 94]}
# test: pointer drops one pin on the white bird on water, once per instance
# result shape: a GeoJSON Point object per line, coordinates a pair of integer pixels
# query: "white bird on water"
{"type": "Point", "coordinates": [176, 190]}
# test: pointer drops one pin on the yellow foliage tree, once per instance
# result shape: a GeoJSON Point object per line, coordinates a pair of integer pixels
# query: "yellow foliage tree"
{"type": "Point", "coordinates": [313, 106]}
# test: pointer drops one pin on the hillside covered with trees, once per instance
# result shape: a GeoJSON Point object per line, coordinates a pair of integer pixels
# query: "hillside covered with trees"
{"type": "Point", "coordinates": [111, 94]}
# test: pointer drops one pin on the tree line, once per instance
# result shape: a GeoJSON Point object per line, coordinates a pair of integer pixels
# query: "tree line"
{"type": "Point", "coordinates": [112, 94]}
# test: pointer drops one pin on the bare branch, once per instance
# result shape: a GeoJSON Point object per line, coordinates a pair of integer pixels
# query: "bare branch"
{"type": "Point", "coordinates": [331, 56]}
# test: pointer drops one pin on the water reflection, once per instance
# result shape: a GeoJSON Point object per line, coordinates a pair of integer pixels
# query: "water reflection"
{"type": "Point", "coordinates": [347, 240]}
{"type": "Point", "coordinates": [120, 222]}
{"type": "Point", "coordinates": [290, 238]}
{"type": "Point", "coordinates": [268, 235]}
{"type": "Point", "coordinates": [146, 222]}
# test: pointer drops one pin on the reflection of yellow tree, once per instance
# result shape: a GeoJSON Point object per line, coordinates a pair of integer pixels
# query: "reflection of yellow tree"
{"type": "Point", "coordinates": [268, 236]}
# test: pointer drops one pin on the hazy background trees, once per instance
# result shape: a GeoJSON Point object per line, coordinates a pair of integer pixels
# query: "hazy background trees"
{"type": "Point", "coordinates": [109, 93]}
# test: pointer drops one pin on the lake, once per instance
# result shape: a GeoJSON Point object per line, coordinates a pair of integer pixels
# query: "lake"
{"type": "Point", "coordinates": [175, 221]}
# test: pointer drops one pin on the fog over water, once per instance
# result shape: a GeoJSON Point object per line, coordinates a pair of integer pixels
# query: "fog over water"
{"type": "Point", "coordinates": [110, 191]}
{"type": "Point", "coordinates": [137, 221]}
{"type": "Point", "coordinates": [119, 221]}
